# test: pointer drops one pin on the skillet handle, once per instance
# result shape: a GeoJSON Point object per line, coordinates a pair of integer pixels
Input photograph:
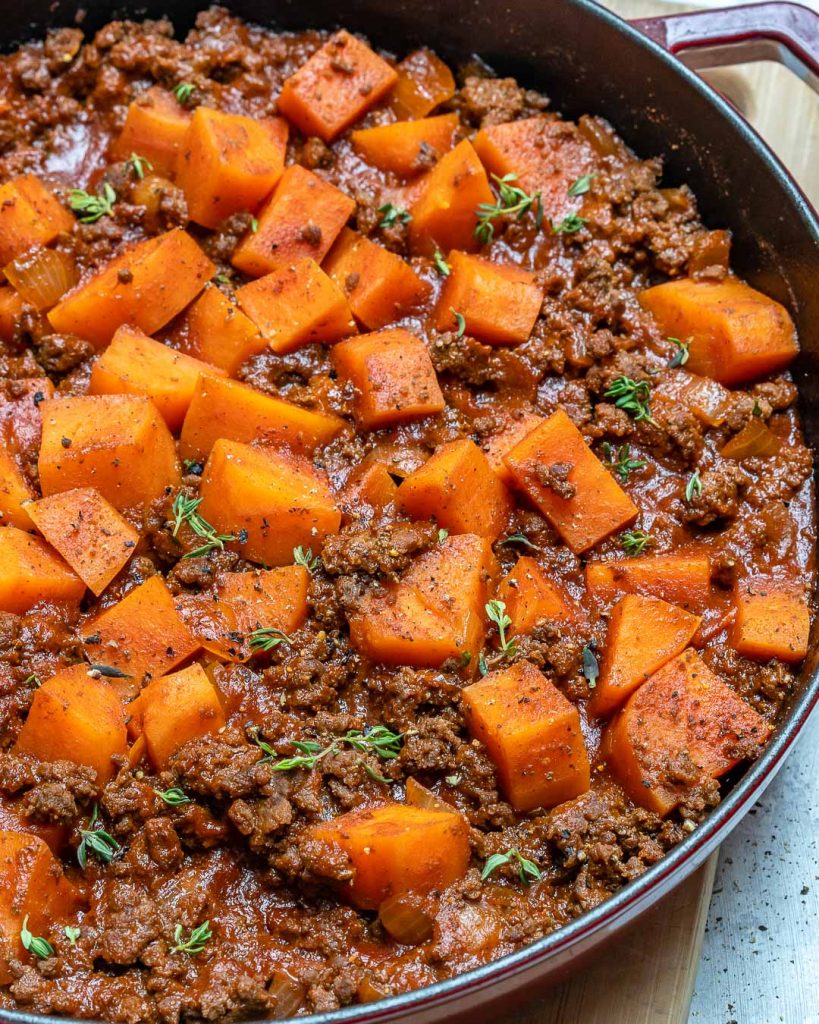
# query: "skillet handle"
{"type": "Point", "coordinates": [785, 32]}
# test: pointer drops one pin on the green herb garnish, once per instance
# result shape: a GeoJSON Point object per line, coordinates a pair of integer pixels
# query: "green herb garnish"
{"type": "Point", "coordinates": [71, 933]}
{"type": "Point", "coordinates": [378, 740]}
{"type": "Point", "coordinates": [40, 947]}
{"type": "Point", "coordinates": [183, 92]}
{"type": "Point", "coordinates": [306, 558]}
{"type": "Point", "coordinates": [620, 461]}
{"type": "Point", "coordinates": [90, 208]}
{"type": "Point", "coordinates": [635, 542]}
{"type": "Point", "coordinates": [591, 666]}
{"type": "Point", "coordinates": [680, 357]}
{"type": "Point", "coordinates": [581, 185]}
{"type": "Point", "coordinates": [512, 200]}
{"type": "Point", "coordinates": [444, 268]}
{"type": "Point", "coordinates": [392, 214]}
{"type": "Point", "coordinates": [195, 942]}
{"type": "Point", "coordinates": [460, 322]}
{"type": "Point", "coordinates": [267, 639]}
{"type": "Point", "coordinates": [528, 871]}
{"type": "Point", "coordinates": [632, 396]}
{"type": "Point", "coordinates": [519, 538]}
{"type": "Point", "coordinates": [570, 225]}
{"type": "Point", "coordinates": [496, 612]}
{"type": "Point", "coordinates": [173, 797]}
{"type": "Point", "coordinates": [99, 842]}
{"type": "Point", "coordinates": [185, 510]}
{"type": "Point", "coordinates": [139, 164]}
{"type": "Point", "coordinates": [693, 489]}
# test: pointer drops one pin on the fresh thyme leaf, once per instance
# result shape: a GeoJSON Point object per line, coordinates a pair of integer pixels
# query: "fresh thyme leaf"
{"type": "Point", "coordinates": [512, 201]}
{"type": "Point", "coordinates": [581, 185]}
{"type": "Point", "coordinates": [466, 658]}
{"type": "Point", "coordinates": [483, 668]}
{"type": "Point", "coordinates": [460, 322]}
{"type": "Point", "coordinates": [528, 871]}
{"type": "Point", "coordinates": [757, 409]}
{"type": "Point", "coordinates": [636, 541]}
{"type": "Point", "coordinates": [496, 612]}
{"type": "Point", "coordinates": [254, 225]}
{"type": "Point", "coordinates": [693, 489]}
{"type": "Point", "coordinates": [620, 461]}
{"type": "Point", "coordinates": [40, 947]}
{"type": "Point", "coordinates": [591, 666]}
{"type": "Point", "coordinates": [185, 510]}
{"type": "Point", "coordinates": [392, 214]}
{"type": "Point", "coordinates": [442, 535]}
{"type": "Point", "coordinates": [376, 739]}
{"type": "Point", "coordinates": [33, 679]}
{"type": "Point", "coordinates": [173, 797]}
{"type": "Point", "coordinates": [183, 92]}
{"type": "Point", "coordinates": [195, 942]}
{"type": "Point", "coordinates": [139, 164]}
{"type": "Point", "coordinates": [519, 538]}
{"type": "Point", "coordinates": [632, 396]}
{"type": "Point", "coordinates": [97, 841]}
{"type": "Point", "coordinates": [72, 933]}
{"type": "Point", "coordinates": [444, 268]}
{"type": "Point", "coordinates": [222, 279]}
{"type": "Point", "coordinates": [680, 357]}
{"type": "Point", "coordinates": [570, 225]}
{"type": "Point", "coordinates": [452, 780]}
{"type": "Point", "coordinates": [267, 639]}
{"type": "Point", "coordinates": [306, 558]}
{"type": "Point", "coordinates": [90, 208]}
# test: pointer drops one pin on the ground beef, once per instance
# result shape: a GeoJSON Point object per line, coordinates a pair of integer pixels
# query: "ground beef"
{"type": "Point", "coordinates": [379, 550]}
{"type": "Point", "coordinates": [718, 495]}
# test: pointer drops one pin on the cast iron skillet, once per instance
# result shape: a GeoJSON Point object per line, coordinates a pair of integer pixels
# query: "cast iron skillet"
{"type": "Point", "coordinates": [589, 61]}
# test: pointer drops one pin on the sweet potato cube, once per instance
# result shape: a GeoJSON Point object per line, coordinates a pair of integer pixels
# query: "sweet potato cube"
{"type": "Point", "coordinates": [237, 412]}
{"type": "Point", "coordinates": [29, 215]}
{"type": "Point", "coordinates": [380, 286]}
{"type": "Point", "coordinates": [532, 733]}
{"type": "Point", "coordinates": [424, 82]}
{"type": "Point", "coordinates": [297, 304]}
{"type": "Point", "coordinates": [21, 420]}
{"type": "Point", "coordinates": [14, 491]}
{"type": "Point", "coordinates": [444, 215]}
{"type": "Point", "coordinates": [11, 308]}
{"type": "Point", "coordinates": [393, 377]}
{"type": "Point", "coordinates": [141, 635]}
{"type": "Point", "coordinates": [219, 333]}
{"type": "Point", "coordinates": [457, 488]}
{"type": "Point", "coordinates": [683, 719]}
{"type": "Point", "coordinates": [369, 488]}
{"type": "Point", "coordinates": [88, 532]}
{"type": "Point", "coordinates": [155, 127]}
{"type": "Point", "coordinates": [682, 579]}
{"type": "Point", "coordinates": [434, 612]}
{"type": "Point", "coordinates": [303, 217]}
{"type": "Point", "coordinates": [545, 155]}
{"type": "Point", "coordinates": [32, 883]}
{"type": "Point", "coordinates": [271, 501]}
{"type": "Point", "coordinates": [737, 334]}
{"type": "Point", "coordinates": [339, 83]}
{"type": "Point", "coordinates": [644, 633]}
{"type": "Point", "coordinates": [499, 303]}
{"type": "Point", "coordinates": [31, 571]}
{"type": "Point", "coordinates": [397, 848]}
{"type": "Point", "coordinates": [118, 444]}
{"type": "Point", "coordinates": [772, 620]}
{"type": "Point", "coordinates": [500, 444]}
{"type": "Point", "coordinates": [584, 503]}
{"type": "Point", "coordinates": [75, 717]}
{"type": "Point", "coordinates": [145, 286]}
{"type": "Point", "coordinates": [404, 147]}
{"type": "Point", "coordinates": [531, 597]}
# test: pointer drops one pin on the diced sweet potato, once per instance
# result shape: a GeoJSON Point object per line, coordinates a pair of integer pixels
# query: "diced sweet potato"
{"type": "Point", "coordinates": [15, 817]}
{"type": "Point", "coordinates": [772, 620]}
{"type": "Point", "coordinates": [532, 733]}
{"type": "Point", "coordinates": [130, 462]}
{"type": "Point", "coordinates": [404, 147]}
{"type": "Point", "coordinates": [545, 155]}
{"type": "Point", "coordinates": [155, 127]}
{"type": "Point", "coordinates": [303, 217]}
{"type": "Point", "coordinates": [445, 214]}
{"type": "Point", "coordinates": [379, 285]}
{"type": "Point", "coordinates": [457, 488]}
{"type": "Point", "coordinates": [497, 445]}
{"type": "Point", "coordinates": [297, 304]}
{"type": "Point", "coordinates": [736, 333]}
{"type": "Point", "coordinates": [685, 721]}
{"type": "Point", "coordinates": [29, 216]}
{"type": "Point", "coordinates": [11, 308]}
{"type": "Point", "coordinates": [531, 597]}
{"type": "Point", "coordinates": [270, 501]}
{"type": "Point", "coordinates": [145, 286]}
{"type": "Point", "coordinates": [434, 612]}
{"type": "Point", "coordinates": [134, 364]}
{"type": "Point", "coordinates": [558, 471]}
{"type": "Point", "coordinates": [644, 633]}
{"type": "Point", "coordinates": [683, 579]}
{"type": "Point", "coordinates": [31, 571]}
{"type": "Point", "coordinates": [393, 377]}
{"type": "Point", "coordinates": [370, 485]}
{"type": "Point", "coordinates": [229, 163]}
{"type": "Point", "coordinates": [237, 412]}
{"type": "Point", "coordinates": [88, 532]}
{"type": "Point", "coordinates": [342, 80]}
{"type": "Point", "coordinates": [141, 635]}
{"type": "Point", "coordinates": [21, 421]}
{"type": "Point", "coordinates": [499, 303]}
{"type": "Point", "coordinates": [32, 884]}
{"type": "Point", "coordinates": [14, 491]}
{"type": "Point", "coordinates": [424, 82]}
{"type": "Point", "coordinates": [396, 849]}
{"type": "Point", "coordinates": [219, 333]}
{"type": "Point", "coordinates": [76, 718]}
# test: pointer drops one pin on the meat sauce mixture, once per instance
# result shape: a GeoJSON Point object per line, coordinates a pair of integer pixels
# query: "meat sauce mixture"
{"type": "Point", "coordinates": [407, 528]}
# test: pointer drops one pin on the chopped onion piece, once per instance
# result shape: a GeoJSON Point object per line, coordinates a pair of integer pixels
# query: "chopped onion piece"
{"type": "Point", "coordinates": [42, 276]}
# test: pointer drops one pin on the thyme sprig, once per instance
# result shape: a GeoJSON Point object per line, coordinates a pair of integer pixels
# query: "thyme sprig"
{"type": "Point", "coordinates": [634, 542]}
{"type": "Point", "coordinates": [185, 511]}
{"type": "Point", "coordinates": [173, 797]}
{"type": "Point", "coordinates": [581, 185]}
{"type": "Point", "coordinates": [392, 214]}
{"type": "Point", "coordinates": [97, 841]}
{"type": "Point", "coordinates": [591, 666]}
{"type": "Point", "coordinates": [377, 739]}
{"type": "Point", "coordinates": [35, 944]}
{"type": "Point", "coordinates": [306, 558]}
{"type": "Point", "coordinates": [512, 201]}
{"type": "Point", "coordinates": [621, 462]}
{"type": "Point", "coordinates": [441, 264]}
{"type": "Point", "coordinates": [139, 164]}
{"type": "Point", "coordinates": [90, 208]}
{"type": "Point", "coordinates": [693, 489]}
{"type": "Point", "coordinates": [496, 612]}
{"type": "Point", "coordinates": [195, 942]}
{"type": "Point", "coordinates": [570, 225]}
{"type": "Point", "coordinates": [528, 871]}
{"type": "Point", "coordinates": [680, 357]}
{"type": "Point", "coordinates": [267, 639]}
{"type": "Point", "coordinates": [633, 396]}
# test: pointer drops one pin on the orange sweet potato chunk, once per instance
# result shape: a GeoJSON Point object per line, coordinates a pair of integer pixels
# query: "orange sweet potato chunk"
{"type": "Point", "coordinates": [229, 163]}
{"type": "Point", "coordinates": [531, 597]}
{"type": "Point", "coordinates": [21, 420]}
{"type": "Point", "coordinates": [297, 304]}
{"type": "Point", "coordinates": [11, 308]}
{"type": "Point", "coordinates": [218, 332]}
{"type": "Point", "coordinates": [145, 286]}
{"type": "Point", "coordinates": [772, 620]}
{"type": "Point", "coordinates": [424, 82]}
{"type": "Point", "coordinates": [396, 848]}
{"type": "Point", "coordinates": [303, 217]}
{"type": "Point", "coordinates": [134, 364]}
{"type": "Point", "coordinates": [737, 333]}
{"type": "Point", "coordinates": [682, 579]}
{"type": "Point", "coordinates": [155, 127]}
{"type": "Point", "coordinates": [499, 303]}
{"type": "Point", "coordinates": [594, 506]}
{"type": "Point", "coordinates": [379, 285]}
{"type": "Point", "coordinates": [500, 444]}
{"type": "Point", "coordinates": [14, 491]}
{"type": "Point", "coordinates": [532, 733]}
{"type": "Point", "coordinates": [75, 717]}
{"type": "Point", "coordinates": [130, 462]}
{"type": "Point", "coordinates": [370, 488]}
{"type": "Point", "coordinates": [31, 571]}
{"type": "Point", "coordinates": [237, 412]}
{"type": "Point", "coordinates": [404, 147]}
{"type": "Point", "coordinates": [683, 715]}
{"type": "Point", "coordinates": [29, 215]}
{"type": "Point", "coordinates": [88, 532]}
{"type": "Point", "coordinates": [272, 502]}
{"type": "Point", "coordinates": [33, 884]}
{"type": "Point", "coordinates": [457, 488]}
{"type": "Point", "coordinates": [342, 80]}
{"type": "Point", "coordinates": [444, 215]}
{"type": "Point", "coordinates": [141, 635]}
{"type": "Point", "coordinates": [393, 377]}
{"type": "Point", "coordinates": [644, 633]}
